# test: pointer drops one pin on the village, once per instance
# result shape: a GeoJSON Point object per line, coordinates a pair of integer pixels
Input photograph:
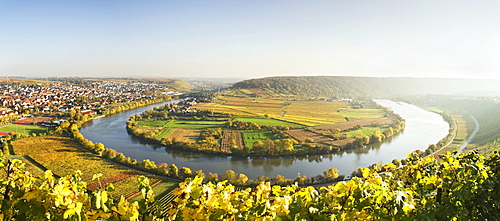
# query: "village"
{"type": "Point", "coordinates": [43, 104]}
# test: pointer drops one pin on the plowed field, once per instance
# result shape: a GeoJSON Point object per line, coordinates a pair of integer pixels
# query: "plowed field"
{"type": "Point", "coordinates": [184, 135]}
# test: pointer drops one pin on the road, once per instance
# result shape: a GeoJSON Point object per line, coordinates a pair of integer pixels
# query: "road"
{"type": "Point", "coordinates": [464, 145]}
{"type": "Point", "coordinates": [472, 135]}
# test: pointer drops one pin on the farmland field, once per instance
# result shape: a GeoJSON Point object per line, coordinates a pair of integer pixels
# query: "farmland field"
{"type": "Point", "coordinates": [362, 113]}
{"type": "Point", "coordinates": [265, 121]}
{"type": "Point", "coordinates": [196, 124]}
{"type": "Point", "coordinates": [309, 113]}
{"type": "Point", "coordinates": [357, 121]}
{"type": "Point", "coordinates": [164, 133]}
{"type": "Point", "coordinates": [302, 135]}
{"type": "Point", "coordinates": [250, 136]}
{"type": "Point", "coordinates": [365, 130]}
{"type": "Point", "coordinates": [24, 129]}
{"type": "Point", "coordinates": [230, 135]}
{"type": "Point", "coordinates": [314, 113]}
{"type": "Point", "coordinates": [152, 123]}
{"type": "Point", "coordinates": [242, 106]}
{"type": "Point", "coordinates": [184, 135]}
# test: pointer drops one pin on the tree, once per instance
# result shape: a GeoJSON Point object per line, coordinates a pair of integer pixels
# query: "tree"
{"type": "Point", "coordinates": [185, 172]}
{"type": "Point", "coordinates": [229, 175]}
{"type": "Point", "coordinates": [173, 171]}
{"type": "Point", "coordinates": [331, 174]}
{"type": "Point", "coordinates": [99, 148]}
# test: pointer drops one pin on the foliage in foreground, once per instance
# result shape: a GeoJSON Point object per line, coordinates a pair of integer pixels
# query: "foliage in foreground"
{"type": "Point", "coordinates": [463, 187]}
{"type": "Point", "coordinates": [25, 197]}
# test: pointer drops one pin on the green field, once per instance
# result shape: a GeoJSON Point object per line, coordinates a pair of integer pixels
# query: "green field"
{"type": "Point", "coordinates": [24, 129]}
{"type": "Point", "coordinates": [265, 121]}
{"type": "Point", "coordinates": [155, 123]}
{"type": "Point", "coordinates": [249, 137]}
{"type": "Point", "coordinates": [164, 133]}
{"type": "Point", "coordinates": [187, 124]}
{"type": "Point", "coordinates": [196, 124]}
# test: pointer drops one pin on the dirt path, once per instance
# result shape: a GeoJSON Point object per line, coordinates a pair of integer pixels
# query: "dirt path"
{"type": "Point", "coordinates": [283, 112]}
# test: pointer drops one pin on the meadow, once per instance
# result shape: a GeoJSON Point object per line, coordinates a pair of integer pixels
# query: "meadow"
{"type": "Point", "coordinates": [250, 136]}
{"type": "Point", "coordinates": [153, 123]}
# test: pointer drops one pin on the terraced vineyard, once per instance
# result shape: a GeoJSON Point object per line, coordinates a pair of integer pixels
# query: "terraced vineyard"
{"type": "Point", "coordinates": [64, 156]}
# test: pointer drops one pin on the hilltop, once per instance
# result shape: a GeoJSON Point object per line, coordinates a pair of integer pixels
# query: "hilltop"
{"type": "Point", "coordinates": [340, 86]}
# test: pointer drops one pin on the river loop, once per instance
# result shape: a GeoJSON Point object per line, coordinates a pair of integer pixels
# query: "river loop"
{"type": "Point", "coordinates": [422, 128]}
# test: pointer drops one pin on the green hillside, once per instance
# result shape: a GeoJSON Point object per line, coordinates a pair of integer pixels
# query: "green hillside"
{"type": "Point", "coordinates": [339, 86]}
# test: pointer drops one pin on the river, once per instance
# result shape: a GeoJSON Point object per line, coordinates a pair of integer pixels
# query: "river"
{"type": "Point", "coordinates": [422, 128]}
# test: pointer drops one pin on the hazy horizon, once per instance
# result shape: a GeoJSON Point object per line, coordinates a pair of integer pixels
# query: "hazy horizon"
{"type": "Point", "coordinates": [244, 40]}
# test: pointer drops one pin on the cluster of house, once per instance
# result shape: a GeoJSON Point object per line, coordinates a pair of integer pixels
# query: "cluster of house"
{"type": "Point", "coordinates": [184, 106]}
{"type": "Point", "coordinates": [59, 97]}
{"type": "Point", "coordinates": [7, 112]}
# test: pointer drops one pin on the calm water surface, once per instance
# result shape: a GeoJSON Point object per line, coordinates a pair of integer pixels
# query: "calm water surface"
{"type": "Point", "coordinates": [422, 128]}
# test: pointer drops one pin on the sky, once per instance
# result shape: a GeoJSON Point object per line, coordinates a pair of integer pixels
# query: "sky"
{"type": "Point", "coordinates": [250, 39]}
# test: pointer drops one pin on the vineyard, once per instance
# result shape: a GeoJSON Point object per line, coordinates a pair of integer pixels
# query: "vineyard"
{"type": "Point", "coordinates": [463, 187]}
{"type": "Point", "coordinates": [230, 136]}
{"type": "Point", "coordinates": [63, 156]}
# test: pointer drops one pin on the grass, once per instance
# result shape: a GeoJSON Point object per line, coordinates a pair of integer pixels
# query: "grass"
{"type": "Point", "coordinates": [196, 124]}
{"type": "Point", "coordinates": [164, 133]}
{"type": "Point", "coordinates": [266, 121]}
{"type": "Point", "coordinates": [155, 123]}
{"type": "Point", "coordinates": [24, 129]}
{"type": "Point", "coordinates": [178, 123]}
{"type": "Point", "coordinates": [249, 137]}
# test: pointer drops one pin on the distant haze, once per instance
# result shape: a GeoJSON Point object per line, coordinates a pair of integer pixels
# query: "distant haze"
{"type": "Point", "coordinates": [250, 39]}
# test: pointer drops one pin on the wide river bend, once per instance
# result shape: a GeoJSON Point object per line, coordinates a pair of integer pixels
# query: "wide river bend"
{"type": "Point", "coordinates": [422, 128]}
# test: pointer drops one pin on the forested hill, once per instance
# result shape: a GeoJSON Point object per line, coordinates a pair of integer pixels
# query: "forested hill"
{"type": "Point", "coordinates": [337, 86]}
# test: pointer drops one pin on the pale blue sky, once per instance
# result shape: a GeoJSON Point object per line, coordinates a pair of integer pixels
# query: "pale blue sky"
{"type": "Point", "coordinates": [248, 39]}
